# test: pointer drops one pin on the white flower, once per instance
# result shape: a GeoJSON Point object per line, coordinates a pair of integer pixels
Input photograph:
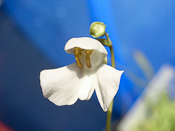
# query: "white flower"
{"type": "Point", "coordinates": [63, 86]}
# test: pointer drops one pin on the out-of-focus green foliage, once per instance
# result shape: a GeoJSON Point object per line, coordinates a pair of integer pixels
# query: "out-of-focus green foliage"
{"type": "Point", "coordinates": [160, 117]}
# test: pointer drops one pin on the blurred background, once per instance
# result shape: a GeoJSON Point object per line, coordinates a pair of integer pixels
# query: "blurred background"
{"type": "Point", "coordinates": [32, 38]}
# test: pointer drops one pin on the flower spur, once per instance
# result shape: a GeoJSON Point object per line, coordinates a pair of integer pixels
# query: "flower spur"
{"type": "Point", "coordinates": [63, 86]}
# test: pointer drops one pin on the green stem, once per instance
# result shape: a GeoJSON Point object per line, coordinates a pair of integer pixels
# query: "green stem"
{"type": "Point", "coordinates": [109, 113]}
{"type": "Point", "coordinates": [112, 57]}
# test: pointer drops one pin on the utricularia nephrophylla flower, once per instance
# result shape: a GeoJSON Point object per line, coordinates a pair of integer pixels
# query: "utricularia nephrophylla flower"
{"type": "Point", "coordinates": [63, 86]}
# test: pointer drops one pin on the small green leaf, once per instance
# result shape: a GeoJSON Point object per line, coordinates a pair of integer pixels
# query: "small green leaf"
{"type": "Point", "coordinates": [104, 42]}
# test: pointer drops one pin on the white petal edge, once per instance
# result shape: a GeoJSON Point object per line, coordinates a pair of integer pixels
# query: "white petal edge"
{"type": "Point", "coordinates": [107, 85]}
{"type": "Point", "coordinates": [86, 43]}
{"type": "Point", "coordinates": [63, 86]}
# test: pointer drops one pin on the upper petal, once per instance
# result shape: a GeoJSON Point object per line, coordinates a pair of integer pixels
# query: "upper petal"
{"type": "Point", "coordinates": [86, 43]}
{"type": "Point", "coordinates": [106, 85]}
{"type": "Point", "coordinates": [63, 86]}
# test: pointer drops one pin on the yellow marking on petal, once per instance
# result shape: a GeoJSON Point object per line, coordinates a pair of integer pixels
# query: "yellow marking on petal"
{"type": "Point", "coordinates": [88, 53]}
{"type": "Point", "coordinates": [77, 52]}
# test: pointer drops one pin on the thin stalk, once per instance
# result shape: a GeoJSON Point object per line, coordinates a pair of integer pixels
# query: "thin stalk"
{"type": "Point", "coordinates": [109, 113]}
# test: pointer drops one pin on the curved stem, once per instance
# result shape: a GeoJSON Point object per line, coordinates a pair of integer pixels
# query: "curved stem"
{"type": "Point", "coordinates": [104, 42]}
{"type": "Point", "coordinates": [108, 39]}
{"type": "Point", "coordinates": [109, 113]}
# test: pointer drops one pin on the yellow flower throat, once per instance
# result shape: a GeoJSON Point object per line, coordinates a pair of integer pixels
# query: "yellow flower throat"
{"type": "Point", "coordinates": [78, 53]}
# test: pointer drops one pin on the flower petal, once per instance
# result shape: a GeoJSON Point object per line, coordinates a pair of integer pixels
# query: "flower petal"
{"type": "Point", "coordinates": [63, 86]}
{"type": "Point", "coordinates": [86, 90]}
{"type": "Point", "coordinates": [86, 43]}
{"type": "Point", "coordinates": [107, 85]}
{"type": "Point", "coordinates": [96, 59]}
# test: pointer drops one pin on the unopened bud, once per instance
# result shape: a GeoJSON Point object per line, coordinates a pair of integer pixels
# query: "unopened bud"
{"type": "Point", "coordinates": [97, 29]}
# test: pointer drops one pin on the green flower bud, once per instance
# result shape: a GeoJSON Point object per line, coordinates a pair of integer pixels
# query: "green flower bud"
{"type": "Point", "coordinates": [97, 29]}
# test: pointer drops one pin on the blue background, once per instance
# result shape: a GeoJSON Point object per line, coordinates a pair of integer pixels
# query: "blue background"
{"type": "Point", "coordinates": [32, 38]}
